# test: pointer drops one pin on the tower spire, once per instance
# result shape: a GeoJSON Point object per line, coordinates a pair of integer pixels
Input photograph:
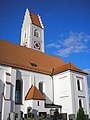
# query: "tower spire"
{"type": "Point", "coordinates": [32, 33]}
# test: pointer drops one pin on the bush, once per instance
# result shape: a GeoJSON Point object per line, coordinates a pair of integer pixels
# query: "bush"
{"type": "Point", "coordinates": [42, 117]}
{"type": "Point", "coordinates": [80, 114]}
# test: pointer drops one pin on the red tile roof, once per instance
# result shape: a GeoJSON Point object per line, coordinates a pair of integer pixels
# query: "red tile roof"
{"type": "Point", "coordinates": [35, 19]}
{"type": "Point", "coordinates": [34, 93]}
{"type": "Point", "coordinates": [68, 66]}
{"type": "Point", "coordinates": [26, 58]}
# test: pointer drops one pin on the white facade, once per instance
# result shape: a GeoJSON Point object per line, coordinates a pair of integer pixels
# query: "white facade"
{"type": "Point", "coordinates": [67, 94]}
{"type": "Point", "coordinates": [60, 89]}
{"type": "Point", "coordinates": [8, 91]}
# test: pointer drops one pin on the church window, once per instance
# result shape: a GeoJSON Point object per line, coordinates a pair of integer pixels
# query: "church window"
{"type": "Point", "coordinates": [18, 94]}
{"type": "Point", "coordinates": [79, 84]}
{"type": "Point", "coordinates": [81, 104]}
{"type": "Point", "coordinates": [38, 103]}
{"type": "Point", "coordinates": [41, 87]}
{"type": "Point", "coordinates": [36, 33]}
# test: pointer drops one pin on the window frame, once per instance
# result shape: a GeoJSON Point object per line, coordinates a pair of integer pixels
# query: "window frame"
{"type": "Point", "coordinates": [41, 87]}
{"type": "Point", "coordinates": [36, 33]}
{"type": "Point", "coordinates": [19, 92]}
{"type": "Point", "coordinates": [81, 103]}
{"type": "Point", "coordinates": [38, 103]}
{"type": "Point", "coordinates": [79, 84]}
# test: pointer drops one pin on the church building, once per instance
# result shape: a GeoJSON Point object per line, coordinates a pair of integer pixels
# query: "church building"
{"type": "Point", "coordinates": [32, 81]}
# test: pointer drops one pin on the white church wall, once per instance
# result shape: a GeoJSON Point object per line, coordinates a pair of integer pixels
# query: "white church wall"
{"type": "Point", "coordinates": [25, 76]}
{"type": "Point", "coordinates": [32, 78]}
{"type": "Point", "coordinates": [35, 107]}
{"type": "Point", "coordinates": [62, 91]}
{"type": "Point", "coordinates": [47, 80]}
{"type": "Point", "coordinates": [79, 94]}
{"type": "Point", "coordinates": [13, 88]}
{"type": "Point", "coordinates": [8, 94]}
{"type": "Point", "coordinates": [8, 79]}
{"type": "Point", "coordinates": [1, 87]}
{"type": "Point", "coordinates": [6, 109]}
{"type": "Point", "coordinates": [40, 107]}
{"type": "Point", "coordinates": [28, 103]}
{"type": "Point", "coordinates": [66, 92]}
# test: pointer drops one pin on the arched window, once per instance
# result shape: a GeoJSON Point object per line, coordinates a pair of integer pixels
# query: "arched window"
{"type": "Point", "coordinates": [41, 87]}
{"type": "Point", "coordinates": [18, 94]}
{"type": "Point", "coordinates": [36, 33]}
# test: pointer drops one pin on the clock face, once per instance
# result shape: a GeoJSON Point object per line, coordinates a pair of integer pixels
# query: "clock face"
{"type": "Point", "coordinates": [36, 45]}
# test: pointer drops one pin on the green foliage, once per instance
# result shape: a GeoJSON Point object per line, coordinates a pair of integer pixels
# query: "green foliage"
{"type": "Point", "coordinates": [42, 117]}
{"type": "Point", "coordinates": [80, 114]}
{"type": "Point", "coordinates": [31, 118]}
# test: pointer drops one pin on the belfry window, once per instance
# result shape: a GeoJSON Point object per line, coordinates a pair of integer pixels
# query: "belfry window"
{"type": "Point", "coordinates": [18, 94]}
{"type": "Point", "coordinates": [78, 84]}
{"type": "Point", "coordinates": [36, 33]}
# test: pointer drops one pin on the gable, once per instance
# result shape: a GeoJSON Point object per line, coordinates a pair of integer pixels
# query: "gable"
{"type": "Point", "coordinates": [34, 93]}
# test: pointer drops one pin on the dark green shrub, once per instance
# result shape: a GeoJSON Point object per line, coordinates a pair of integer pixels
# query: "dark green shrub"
{"type": "Point", "coordinates": [80, 114]}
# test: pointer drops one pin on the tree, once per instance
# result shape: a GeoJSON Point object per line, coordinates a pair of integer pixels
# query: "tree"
{"type": "Point", "coordinates": [80, 114]}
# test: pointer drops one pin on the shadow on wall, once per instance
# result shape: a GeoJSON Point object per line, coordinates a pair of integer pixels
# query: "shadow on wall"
{"type": "Point", "coordinates": [1, 95]}
{"type": "Point", "coordinates": [48, 100]}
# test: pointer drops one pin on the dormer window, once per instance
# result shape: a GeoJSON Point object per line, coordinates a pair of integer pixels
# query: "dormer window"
{"type": "Point", "coordinates": [36, 33]}
{"type": "Point", "coordinates": [33, 64]}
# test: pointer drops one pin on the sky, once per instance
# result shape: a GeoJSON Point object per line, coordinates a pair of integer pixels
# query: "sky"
{"type": "Point", "coordinates": [66, 25]}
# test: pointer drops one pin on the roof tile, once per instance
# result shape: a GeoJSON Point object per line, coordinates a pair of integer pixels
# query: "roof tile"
{"type": "Point", "coordinates": [68, 66]}
{"type": "Point", "coordinates": [22, 57]}
{"type": "Point", "coordinates": [34, 94]}
{"type": "Point", "coordinates": [35, 19]}
{"type": "Point", "coordinates": [26, 58]}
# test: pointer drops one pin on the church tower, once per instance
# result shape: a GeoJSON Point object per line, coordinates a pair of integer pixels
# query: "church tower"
{"type": "Point", "coordinates": [32, 32]}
